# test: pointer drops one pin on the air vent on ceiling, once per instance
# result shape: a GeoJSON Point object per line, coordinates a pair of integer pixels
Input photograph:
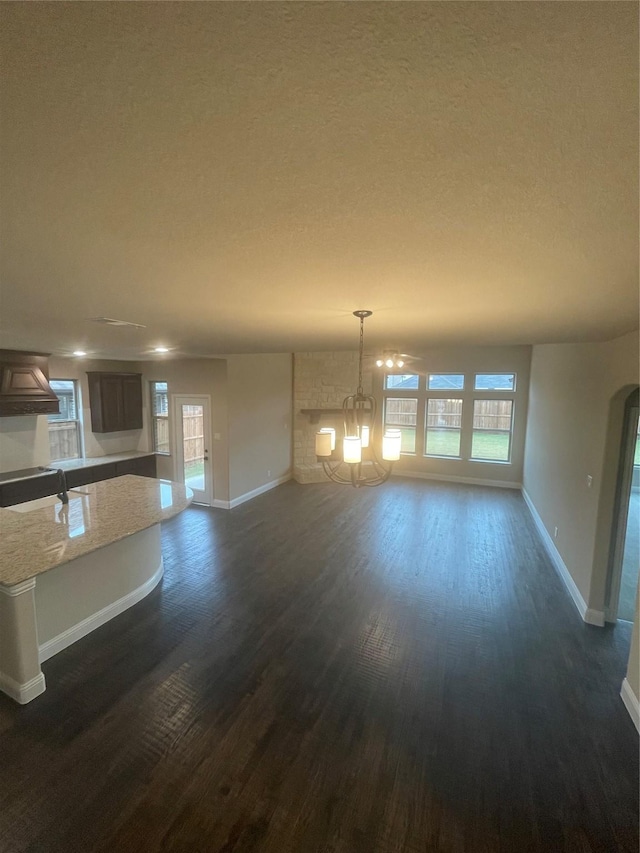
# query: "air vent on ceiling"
{"type": "Point", "coordinates": [109, 321]}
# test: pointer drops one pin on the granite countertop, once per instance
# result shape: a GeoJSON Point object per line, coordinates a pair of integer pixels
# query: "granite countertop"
{"type": "Point", "coordinates": [75, 464]}
{"type": "Point", "coordinates": [71, 465]}
{"type": "Point", "coordinates": [41, 534]}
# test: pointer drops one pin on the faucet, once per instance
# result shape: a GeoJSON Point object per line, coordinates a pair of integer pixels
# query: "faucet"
{"type": "Point", "coordinates": [62, 485]}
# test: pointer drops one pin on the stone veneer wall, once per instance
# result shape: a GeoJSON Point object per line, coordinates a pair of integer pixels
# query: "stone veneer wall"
{"type": "Point", "coordinates": [321, 380]}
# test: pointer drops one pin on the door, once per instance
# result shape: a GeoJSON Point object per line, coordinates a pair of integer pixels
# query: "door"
{"type": "Point", "coordinates": [193, 440]}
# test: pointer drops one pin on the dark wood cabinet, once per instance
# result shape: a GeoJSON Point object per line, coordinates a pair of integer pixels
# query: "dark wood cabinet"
{"type": "Point", "coordinates": [142, 466]}
{"type": "Point", "coordinates": [21, 491]}
{"type": "Point", "coordinates": [115, 400]}
{"type": "Point", "coordinates": [132, 401]}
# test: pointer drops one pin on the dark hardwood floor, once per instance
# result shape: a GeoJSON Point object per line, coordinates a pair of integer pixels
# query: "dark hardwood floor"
{"type": "Point", "coordinates": [392, 670]}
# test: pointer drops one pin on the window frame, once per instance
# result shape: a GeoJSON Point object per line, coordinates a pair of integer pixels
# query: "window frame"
{"type": "Point", "coordinates": [77, 421]}
{"type": "Point", "coordinates": [157, 418]}
{"type": "Point", "coordinates": [506, 461]}
{"type": "Point", "coordinates": [409, 394]}
{"type": "Point", "coordinates": [496, 390]}
{"type": "Point", "coordinates": [468, 394]}
{"type": "Point", "coordinates": [429, 397]}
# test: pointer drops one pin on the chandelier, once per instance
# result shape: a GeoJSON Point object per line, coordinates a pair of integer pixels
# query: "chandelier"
{"type": "Point", "coordinates": [360, 464]}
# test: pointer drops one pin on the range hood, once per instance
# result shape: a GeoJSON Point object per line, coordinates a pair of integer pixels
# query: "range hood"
{"type": "Point", "coordinates": [24, 384]}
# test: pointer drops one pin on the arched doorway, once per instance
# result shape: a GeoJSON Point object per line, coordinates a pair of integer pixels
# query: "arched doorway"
{"type": "Point", "coordinates": [624, 558]}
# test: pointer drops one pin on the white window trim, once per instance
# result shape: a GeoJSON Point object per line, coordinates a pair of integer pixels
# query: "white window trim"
{"type": "Point", "coordinates": [154, 417]}
{"type": "Point", "coordinates": [77, 393]}
{"type": "Point", "coordinates": [468, 395]}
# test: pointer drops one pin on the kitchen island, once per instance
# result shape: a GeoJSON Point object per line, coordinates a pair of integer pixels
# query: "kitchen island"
{"type": "Point", "coordinates": [66, 569]}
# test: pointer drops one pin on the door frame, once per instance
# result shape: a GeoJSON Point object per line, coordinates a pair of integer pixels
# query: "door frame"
{"type": "Point", "coordinates": [177, 401]}
{"type": "Point", "coordinates": [621, 506]}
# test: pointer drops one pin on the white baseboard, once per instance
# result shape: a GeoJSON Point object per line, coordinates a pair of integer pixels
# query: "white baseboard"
{"type": "Point", "coordinates": [631, 703]}
{"type": "Point", "coordinates": [76, 632]}
{"type": "Point", "coordinates": [593, 617]}
{"type": "Point", "coordinates": [451, 478]}
{"type": "Point", "coordinates": [259, 491]}
{"type": "Point", "coordinates": [22, 693]}
{"type": "Point", "coordinates": [220, 504]}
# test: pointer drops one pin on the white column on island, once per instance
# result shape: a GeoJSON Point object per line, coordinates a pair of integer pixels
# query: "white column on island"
{"type": "Point", "coordinates": [20, 673]}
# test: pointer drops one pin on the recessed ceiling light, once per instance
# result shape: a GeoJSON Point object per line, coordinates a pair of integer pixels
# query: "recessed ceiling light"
{"type": "Point", "coordinates": [79, 352]}
{"type": "Point", "coordinates": [161, 349]}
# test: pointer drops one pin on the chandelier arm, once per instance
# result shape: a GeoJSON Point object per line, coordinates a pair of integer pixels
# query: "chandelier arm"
{"type": "Point", "coordinates": [382, 470]}
{"type": "Point", "coordinates": [379, 480]}
{"type": "Point", "coordinates": [332, 473]}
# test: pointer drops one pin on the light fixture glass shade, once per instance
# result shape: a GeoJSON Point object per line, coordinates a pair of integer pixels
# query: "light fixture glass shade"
{"type": "Point", "coordinates": [391, 443]}
{"type": "Point", "coordinates": [323, 443]}
{"type": "Point", "coordinates": [379, 362]}
{"type": "Point", "coordinates": [352, 449]}
{"type": "Point", "coordinates": [399, 363]}
{"type": "Point", "coordinates": [331, 431]}
{"type": "Point", "coordinates": [364, 435]}
{"type": "Point", "coordinates": [389, 362]}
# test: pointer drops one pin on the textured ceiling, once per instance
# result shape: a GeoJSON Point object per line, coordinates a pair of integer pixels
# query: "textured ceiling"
{"type": "Point", "coordinates": [239, 177]}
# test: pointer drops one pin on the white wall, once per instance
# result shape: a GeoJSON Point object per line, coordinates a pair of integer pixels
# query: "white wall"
{"type": "Point", "coordinates": [323, 379]}
{"type": "Point", "coordinates": [571, 389]}
{"type": "Point", "coordinates": [260, 405]}
{"type": "Point", "coordinates": [192, 376]}
{"type": "Point", "coordinates": [633, 668]}
{"type": "Point", "coordinates": [574, 429]}
{"type": "Point", "coordinates": [24, 442]}
{"type": "Point", "coordinates": [469, 361]}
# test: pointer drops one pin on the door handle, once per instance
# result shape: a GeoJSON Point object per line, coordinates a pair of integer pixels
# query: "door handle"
{"type": "Point", "coordinates": [206, 458]}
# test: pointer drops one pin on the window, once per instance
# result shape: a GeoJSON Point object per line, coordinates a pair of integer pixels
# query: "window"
{"type": "Point", "coordinates": [454, 416]}
{"type": "Point", "coordinates": [399, 381]}
{"type": "Point", "coordinates": [446, 381]}
{"type": "Point", "coordinates": [495, 382]}
{"type": "Point", "coordinates": [401, 412]}
{"type": "Point", "coordinates": [65, 428]}
{"type": "Point", "coordinates": [444, 423]}
{"type": "Point", "coordinates": [492, 421]}
{"type": "Point", "coordinates": [160, 416]}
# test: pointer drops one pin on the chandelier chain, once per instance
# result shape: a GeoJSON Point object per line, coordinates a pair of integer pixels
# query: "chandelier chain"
{"type": "Point", "coordinates": [360, 391]}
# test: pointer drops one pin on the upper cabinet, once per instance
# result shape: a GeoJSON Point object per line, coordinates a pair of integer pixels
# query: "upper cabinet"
{"type": "Point", "coordinates": [115, 400]}
{"type": "Point", "coordinates": [24, 384]}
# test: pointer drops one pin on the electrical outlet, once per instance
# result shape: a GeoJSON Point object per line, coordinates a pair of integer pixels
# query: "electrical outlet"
{"type": "Point", "coordinates": [589, 481]}
{"type": "Point", "coordinates": [268, 472]}
{"type": "Point", "coordinates": [555, 532]}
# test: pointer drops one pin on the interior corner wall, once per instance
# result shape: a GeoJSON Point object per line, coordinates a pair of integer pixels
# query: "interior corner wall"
{"type": "Point", "coordinates": [190, 376]}
{"type": "Point", "coordinates": [571, 389]}
{"type": "Point", "coordinates": [260, 405]}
